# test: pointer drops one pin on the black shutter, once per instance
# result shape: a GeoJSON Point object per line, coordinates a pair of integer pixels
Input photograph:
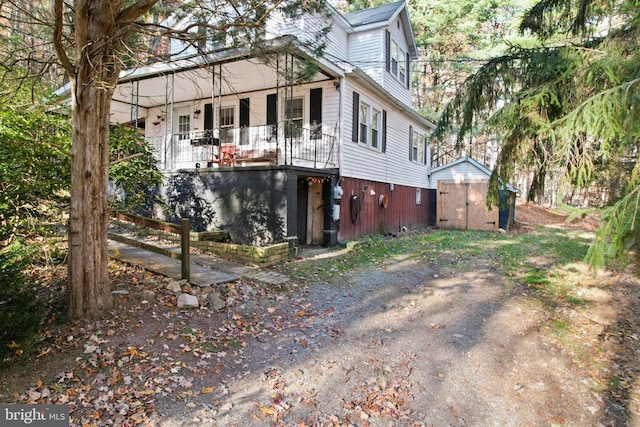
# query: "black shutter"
{"type": "Point", "coordinates": [208, 117]}
{"type": "Point", "coordinates": [411, 142]}
{"type": "Point", "coordinates": [244, 121]}
{"type": "Point", "coordinates": [272, 109]}
{"type": "Point", "coordinates": [387, 50]}
{"type": "Point", "coordinates": [424, 149]}
{"type": "Point", "coordinates": [407, 70]}
{"type": "Point", "coordinates": [272, 114]}
{"type": "Point", "coordinates": [315, 112]}
{"type": "Point", "coordinates": [356, 117]}
{"type": "Point", "coordinates": [384, 131]}
{"type": "Point", "coordinates": [244, 112]}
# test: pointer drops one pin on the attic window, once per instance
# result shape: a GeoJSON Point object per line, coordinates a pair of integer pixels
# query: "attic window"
{"type": "Point", "coordinates": [398, 66]}
{"type": "Point", "coordinates": [397, 61]}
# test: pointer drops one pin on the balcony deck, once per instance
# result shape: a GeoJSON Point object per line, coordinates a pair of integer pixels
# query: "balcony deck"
{"type": "Point", "coordinates": [238, 147]}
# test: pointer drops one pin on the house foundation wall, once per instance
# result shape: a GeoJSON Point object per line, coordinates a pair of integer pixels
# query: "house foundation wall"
{"type": "Point", "coordinates": [250, 204]}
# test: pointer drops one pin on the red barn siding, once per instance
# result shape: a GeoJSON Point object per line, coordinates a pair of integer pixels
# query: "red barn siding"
{"type": "Point", "coordinates": [401, 210]}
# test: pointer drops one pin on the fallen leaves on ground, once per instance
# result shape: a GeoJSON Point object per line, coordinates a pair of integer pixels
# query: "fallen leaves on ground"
{"type": "Point", "coordinates": [147, 351]}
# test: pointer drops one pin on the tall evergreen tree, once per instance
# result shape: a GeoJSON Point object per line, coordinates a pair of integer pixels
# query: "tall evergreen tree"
{"type": "Point", "coordinates": [569, 104]}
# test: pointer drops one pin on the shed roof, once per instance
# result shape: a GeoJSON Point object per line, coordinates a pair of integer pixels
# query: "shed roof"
{"type": "Point", "coordinates": [482, 168]}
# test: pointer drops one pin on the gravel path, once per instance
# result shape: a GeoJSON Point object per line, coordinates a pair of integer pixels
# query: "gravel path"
{"type": "Point", "coordinates": [401, 344]}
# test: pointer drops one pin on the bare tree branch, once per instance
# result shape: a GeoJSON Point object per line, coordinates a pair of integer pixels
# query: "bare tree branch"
{"type": "Point", "coordinates": [133, 12]}
{"type": "Point", "coordinates": [57, 37]}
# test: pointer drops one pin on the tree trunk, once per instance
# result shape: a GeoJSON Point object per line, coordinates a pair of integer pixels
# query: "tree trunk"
{"type": "Point", "coordinates": [89, 290]}
{"type": "Point", "coordinates": [99, 33]}
{"type": "Point", "coordinates": [95, 76]}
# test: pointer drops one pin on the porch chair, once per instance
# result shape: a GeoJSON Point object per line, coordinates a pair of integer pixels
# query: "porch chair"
{"type": "Point", "coordinates": [227, 155]}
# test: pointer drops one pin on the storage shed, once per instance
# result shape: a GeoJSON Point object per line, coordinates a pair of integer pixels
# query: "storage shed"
{"type": "Point", "coordinates": [460, 189]}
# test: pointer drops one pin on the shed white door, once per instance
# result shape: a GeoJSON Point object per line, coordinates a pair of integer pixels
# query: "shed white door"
{"type": "Point", "coordinates": [462, 206]}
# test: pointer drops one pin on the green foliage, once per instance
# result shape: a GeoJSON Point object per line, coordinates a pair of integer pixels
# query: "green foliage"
{"type": "Point", "coordinates": [455, 37]}
{"type": "Point", "coordinates": [133, 168]}
{"type": "Point", "coordinates": [20, 308]}
{"type": "Point", "coordinates": [34, 167]}
{"type": "Point", "coordinates": [570, 105]}
{"type": "Point", "coordinates": [619, 233]}
{"type": "Point", "coordinates": [35, 147]}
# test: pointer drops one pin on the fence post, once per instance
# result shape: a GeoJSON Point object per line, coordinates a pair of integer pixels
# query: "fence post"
{"type": "Point", "coordinates": [185, 235]}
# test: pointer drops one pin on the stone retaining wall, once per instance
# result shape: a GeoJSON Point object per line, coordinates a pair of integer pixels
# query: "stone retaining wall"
{"type": "Point", "coordinates": [263, 256]}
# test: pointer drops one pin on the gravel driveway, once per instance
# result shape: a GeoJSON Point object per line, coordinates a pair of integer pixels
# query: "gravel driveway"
{"type": "Point", "coordinates": [401, 344]}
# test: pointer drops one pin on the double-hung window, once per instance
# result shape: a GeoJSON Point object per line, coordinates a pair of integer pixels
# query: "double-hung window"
{"type": "Point", "coordinates": [184, 126]}
{"type": "Point", "coordinates": [364, 123]}
{"type": "Point", "coordinates": [398, 62]}
{"type": "Point", "coordinates": [294, 114]}
{"type": "Point", "coordinates": [226, 124]}
{"type": "Point", "coordinates": [417, 146]}
{"type": "Point", "coordinates": [369, 125]}
{"type": "Point", "coordinates": [375, 129]}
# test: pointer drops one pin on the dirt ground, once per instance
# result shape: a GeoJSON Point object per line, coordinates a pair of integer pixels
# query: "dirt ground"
{"type": "Point", "coordinates": [446, 342]}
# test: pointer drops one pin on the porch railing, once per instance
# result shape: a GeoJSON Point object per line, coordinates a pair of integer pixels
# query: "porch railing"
{"type": "Point", "coordinates": [255, 145]}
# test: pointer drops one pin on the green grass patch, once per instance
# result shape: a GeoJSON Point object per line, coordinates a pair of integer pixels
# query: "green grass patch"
{"type": "Point", "coordinates": [543, 261]}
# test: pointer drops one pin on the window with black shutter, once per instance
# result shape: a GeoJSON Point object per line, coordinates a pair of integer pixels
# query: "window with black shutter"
{"type": "Point", "coordinates": [315, 112]}
{"type": "Point", "coordinates": [272, 114]}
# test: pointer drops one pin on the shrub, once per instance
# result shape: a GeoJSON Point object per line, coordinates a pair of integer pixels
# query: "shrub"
{"type": "Point", "coordinates": [20, 308]}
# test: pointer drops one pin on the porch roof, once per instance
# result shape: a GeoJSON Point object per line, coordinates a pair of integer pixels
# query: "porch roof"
{"type": "Point", "coordinates": [194, 77]}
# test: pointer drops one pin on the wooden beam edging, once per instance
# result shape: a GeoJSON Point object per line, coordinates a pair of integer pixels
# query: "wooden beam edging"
{"type": "Point", "coordinates": [137, 243]}
{"type": "Point", "coordinates": [168, 227]}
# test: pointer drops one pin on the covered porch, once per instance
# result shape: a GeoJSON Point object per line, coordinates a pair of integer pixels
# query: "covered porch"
{"type": "Point", "coordinates": [249, 146]}
{"type": "Point", "coordinates": [234, 111]}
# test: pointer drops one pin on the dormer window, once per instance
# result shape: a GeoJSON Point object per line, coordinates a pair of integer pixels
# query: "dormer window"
{"type": "Point", "coordinates": [398, 67]}
{"type": "Point", "coordinates": [394, 58]}
{"type": "Point", "coordinates": [397, 60]}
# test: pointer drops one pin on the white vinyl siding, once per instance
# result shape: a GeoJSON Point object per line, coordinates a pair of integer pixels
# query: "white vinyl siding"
{"type": "Point", "coordinates": [337, 43]}
{"type": "Point", "coordinates": [366, 51]}
{"type": "Point", "coordinates": [392, 166]}
{"type": "Point", "coordinates": [304, 28]}
{"type": "Point", "coordinates": [395, 81]}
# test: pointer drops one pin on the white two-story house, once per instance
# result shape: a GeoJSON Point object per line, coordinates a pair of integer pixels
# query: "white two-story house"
{"type": "Point", "coordinates": [248, 149]}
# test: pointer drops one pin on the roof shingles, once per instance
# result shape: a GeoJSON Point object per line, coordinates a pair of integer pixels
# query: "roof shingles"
{"type": "Point", "coordinates": [377, 14]}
